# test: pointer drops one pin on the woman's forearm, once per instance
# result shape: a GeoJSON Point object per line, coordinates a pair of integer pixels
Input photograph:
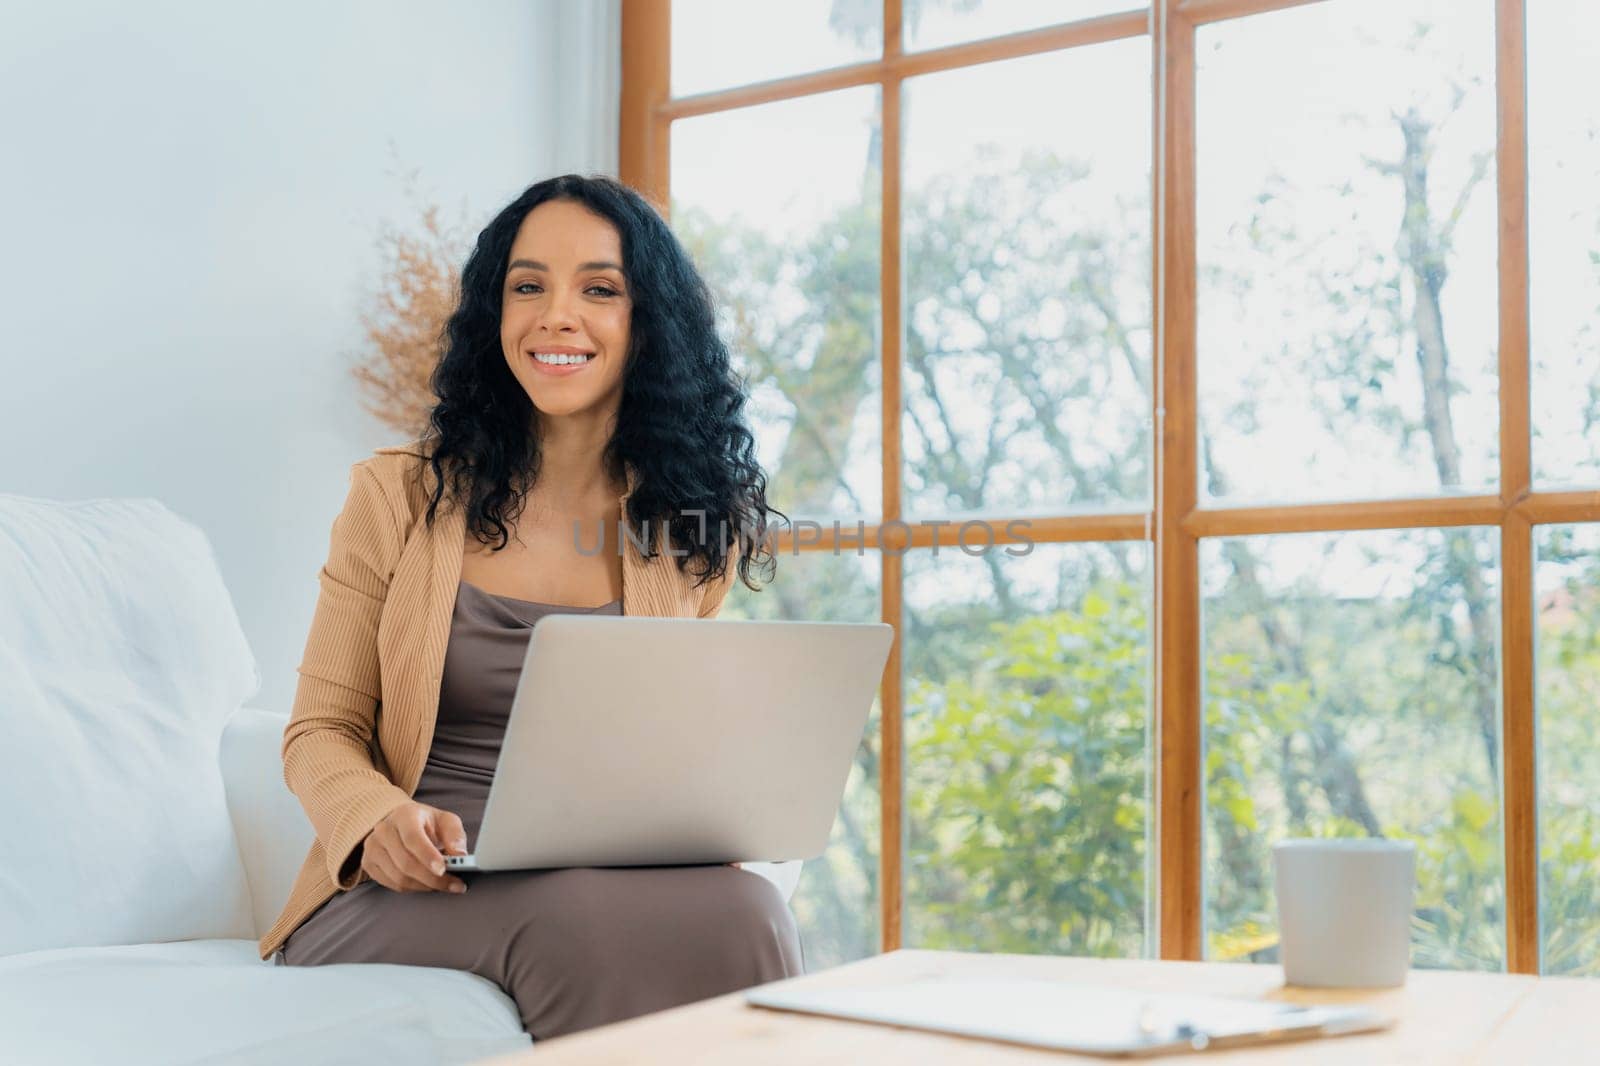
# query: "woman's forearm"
{"type": "Point", "coordinates": [327, 764]}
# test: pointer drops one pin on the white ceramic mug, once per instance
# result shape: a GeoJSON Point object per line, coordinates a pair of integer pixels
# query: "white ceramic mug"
{"type": "Point", "coordinates": [1344, 911]}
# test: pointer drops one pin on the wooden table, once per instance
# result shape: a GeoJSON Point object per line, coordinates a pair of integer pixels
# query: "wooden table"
{"type": "Point", "coordinates": [1441, 1017]}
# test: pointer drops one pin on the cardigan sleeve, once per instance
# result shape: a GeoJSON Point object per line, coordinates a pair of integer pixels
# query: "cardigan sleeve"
{"type": "Point", "coordinates": [328, 744]}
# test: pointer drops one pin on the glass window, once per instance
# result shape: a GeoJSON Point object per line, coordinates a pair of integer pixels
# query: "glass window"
{"type": "Point", "coordinates": [936, 23]}
{"type": "Point", "coordinates": [721, 44]}
{"type": "Point", "coordinates": [1352, 689]}
{"type": "Point", "coordinates": [1564, 239]}
{"type": "Point", "coordinates": [836, 903]}
{"type": "Point", "coordinates": [1346, 230]}
{"type": "Point", "coordinates": [1027, 285]}
{"type": "Point", "coordinates": [1027, 696]}
{"type": "Point", "coordinates": [1567, 680]}
{"type": "Point", "coordinates": [780, 207]}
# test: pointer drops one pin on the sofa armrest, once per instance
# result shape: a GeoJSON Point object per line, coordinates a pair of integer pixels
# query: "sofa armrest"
{"type": "Point", "coordinates": [272, 829]}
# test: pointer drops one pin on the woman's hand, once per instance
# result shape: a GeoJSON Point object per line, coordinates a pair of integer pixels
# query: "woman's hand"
{"type": "Point", "coordinates": [405, 852]}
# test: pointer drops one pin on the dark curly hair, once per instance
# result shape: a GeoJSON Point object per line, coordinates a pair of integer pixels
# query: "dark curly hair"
{"type": "Point", "coordinates": [680, 425]}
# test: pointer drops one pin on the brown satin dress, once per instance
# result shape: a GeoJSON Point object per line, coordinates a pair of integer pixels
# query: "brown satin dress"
{"type": "Point", "coordinates": [574, 948]}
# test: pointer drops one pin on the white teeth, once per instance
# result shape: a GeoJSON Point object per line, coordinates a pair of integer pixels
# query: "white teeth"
{"type": "Point", "coordinates": [561, 359]}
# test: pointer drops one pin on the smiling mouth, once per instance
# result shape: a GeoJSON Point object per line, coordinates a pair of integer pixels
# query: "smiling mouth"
{"type": "Point", "coordinates": [561, 358]}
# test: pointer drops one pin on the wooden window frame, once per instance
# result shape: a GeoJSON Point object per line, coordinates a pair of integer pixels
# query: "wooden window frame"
{"type": "Point", "coordinates": [1176, 523]}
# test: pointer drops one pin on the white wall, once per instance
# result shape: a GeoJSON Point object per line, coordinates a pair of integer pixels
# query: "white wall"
{"type": "Point", "coordinates": [190, 196]}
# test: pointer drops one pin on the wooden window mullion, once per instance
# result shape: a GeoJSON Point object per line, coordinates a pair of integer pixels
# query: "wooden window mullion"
{"type": "Point", "coordinates": [1177, 713]}
{"type": "Point", "coordinates": [1519, 758]}
{"type": "Point", "coordinates": [891, 735]}
{"type": "Point", "coordinates": [644, 151]}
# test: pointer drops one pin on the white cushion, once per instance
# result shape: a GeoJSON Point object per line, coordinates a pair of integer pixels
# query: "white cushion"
{"type": "Point", "coordinates": [272, 828]}
{"type": "Point", "coordinates": [120, 659]}
{"type": "Point", "coordinates": [214, 1001]}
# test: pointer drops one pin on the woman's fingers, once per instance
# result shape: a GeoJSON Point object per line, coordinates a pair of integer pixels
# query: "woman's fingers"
{"type": "Point", "coordinates": [449, 834]}
{"type": "Point", "coordinates": [376, 862]}
{"type": "Point", "coordinates": [403, 851]}
{"type": "Point", "coordinates": [414, 841]}
{"type": "Point", "coordinates": [399, 871]}
{"type": "Point", "coordinates": [425, 864]}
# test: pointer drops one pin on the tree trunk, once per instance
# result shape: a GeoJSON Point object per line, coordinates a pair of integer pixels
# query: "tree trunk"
{"type": "Point", "coordinates": [1424, 246]}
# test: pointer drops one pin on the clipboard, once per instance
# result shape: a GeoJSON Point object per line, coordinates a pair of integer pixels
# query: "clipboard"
{"type": "Point", "coordinates": [1083, 1018]}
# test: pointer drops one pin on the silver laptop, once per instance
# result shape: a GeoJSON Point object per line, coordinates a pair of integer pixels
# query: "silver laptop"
{"type": "Point", "coordinates": [675, 741]}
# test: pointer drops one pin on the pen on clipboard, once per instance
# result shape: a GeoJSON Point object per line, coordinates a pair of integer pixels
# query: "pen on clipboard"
{"type": "Point", "coordinates": [1152, 1029]}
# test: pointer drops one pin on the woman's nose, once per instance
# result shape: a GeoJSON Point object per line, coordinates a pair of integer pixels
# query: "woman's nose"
{"type": "Point", "coordinates": [560, 312]}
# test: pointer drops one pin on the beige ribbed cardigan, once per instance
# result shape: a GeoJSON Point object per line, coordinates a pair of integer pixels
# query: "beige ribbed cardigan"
{"type": "Point", "coordinates": [375, 655]}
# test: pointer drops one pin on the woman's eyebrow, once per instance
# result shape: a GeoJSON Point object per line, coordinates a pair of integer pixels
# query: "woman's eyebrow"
{"type": "Point", "coordinates": [593, 264]}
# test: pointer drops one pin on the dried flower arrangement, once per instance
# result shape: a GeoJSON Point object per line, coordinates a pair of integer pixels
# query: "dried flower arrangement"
{"type": "Point", "coordinates": [404, 321]}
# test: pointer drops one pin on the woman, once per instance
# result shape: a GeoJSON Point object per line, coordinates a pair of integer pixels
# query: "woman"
{"type": "Point", "coordinates": [582, 384]}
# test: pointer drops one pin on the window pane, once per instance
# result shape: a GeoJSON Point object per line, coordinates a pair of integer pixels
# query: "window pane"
{"type": "Point", "coordinates": [720, 44]}
{"type": "Point", "coordinates": [1346, 241]}
{"type": "Point", "coordinates": [1027, 266]}
{"type": "Point", "coordinates": [780, 206]}
{"type": "Point", "coordinates": [1027, 694]}
{"type": "Point", "coordinates": [1564, 238]}
{"type": "Point", "coordinates": [935, 23]}
{"type": "Point", "coordinates": [1568, 695]}
{"type": "Point", "coordinates": [1351, 689]}
{"type": "Point", "coordinates": [836, 904]}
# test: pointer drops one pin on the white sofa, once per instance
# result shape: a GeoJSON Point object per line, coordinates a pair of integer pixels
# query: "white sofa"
{"type": "Point", "coordinates": [152, 837]}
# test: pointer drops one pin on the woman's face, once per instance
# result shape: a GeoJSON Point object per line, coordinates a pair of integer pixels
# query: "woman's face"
{"type": "Point", "coordinates": [566, 309]}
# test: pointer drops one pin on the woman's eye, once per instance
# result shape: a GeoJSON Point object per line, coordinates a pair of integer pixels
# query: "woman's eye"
{"type": "Point", "coordinates": [526, 286]}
